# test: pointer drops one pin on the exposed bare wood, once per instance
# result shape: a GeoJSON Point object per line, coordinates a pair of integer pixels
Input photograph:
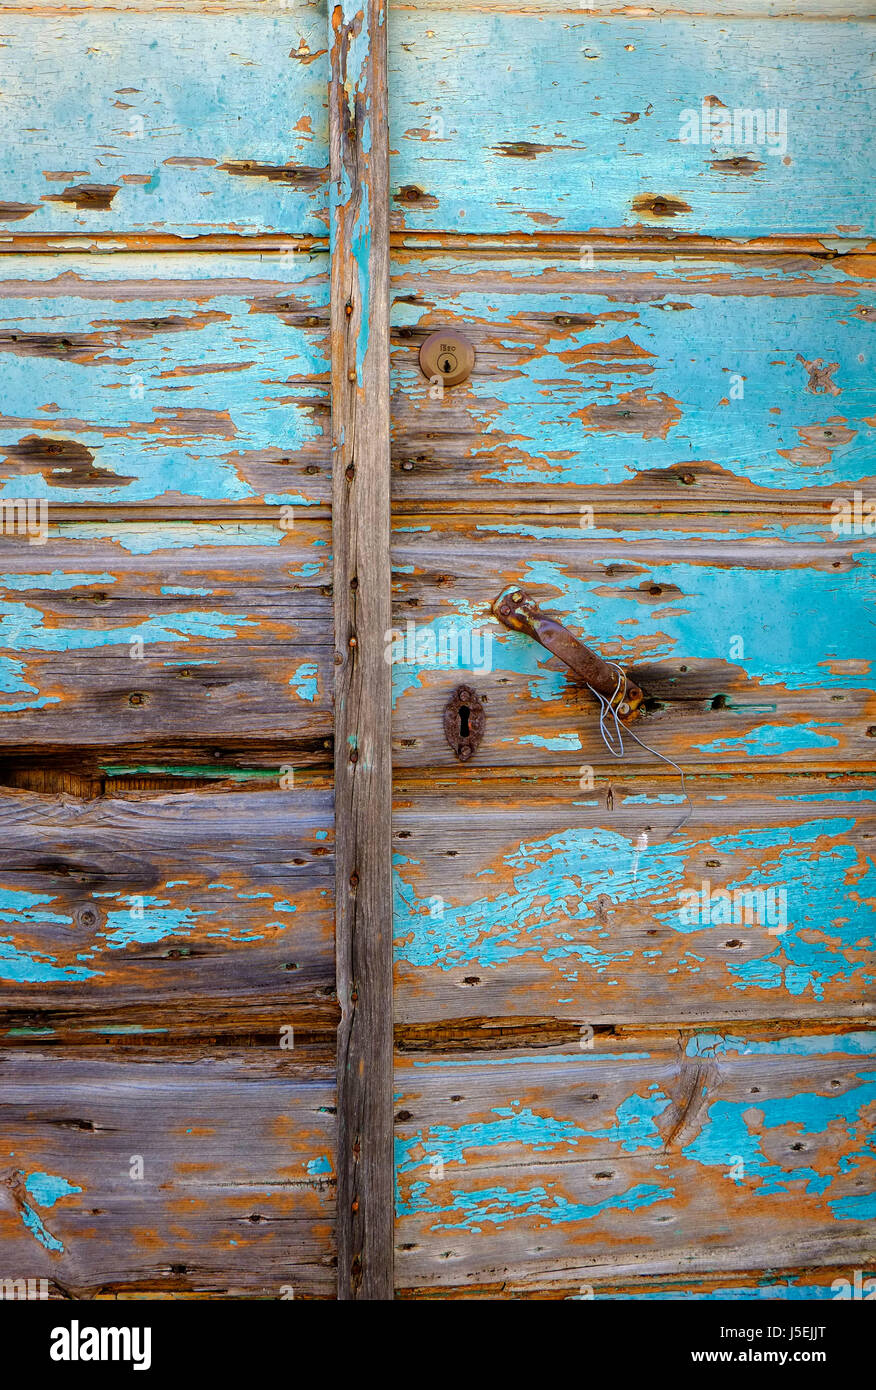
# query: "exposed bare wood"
{"type": "Point", "coordinates": [126, 638]}
{"type": "Point", "coordinates": [360, 442]}
{"type": "Point", "coordinates": [233, 1192]}
{"type": "Point", "coordinates": [109, 243]}
{"type": "Point", "coordinates": [809, 1282]}
{"type": "Point", "coordinates": [147, 916]}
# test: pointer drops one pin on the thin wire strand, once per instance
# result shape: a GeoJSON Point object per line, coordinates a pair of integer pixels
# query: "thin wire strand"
{"type": "Point", "coordinates": [607, 706]}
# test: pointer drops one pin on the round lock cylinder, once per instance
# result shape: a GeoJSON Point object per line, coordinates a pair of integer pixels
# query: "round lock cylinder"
{"type": "Point", "coordinates": [447, 355]}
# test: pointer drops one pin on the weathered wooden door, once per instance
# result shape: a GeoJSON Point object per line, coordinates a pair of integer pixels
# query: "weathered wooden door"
{"type": "Point", "coordinates": [168, 953]}
{"type": "Point", "coordinates": [631, 1053]}
{"type": "Point", "coordinates": [630, 1058]}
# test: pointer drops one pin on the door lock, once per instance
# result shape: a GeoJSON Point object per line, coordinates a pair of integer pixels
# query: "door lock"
{"type": "Point", "coordinates": [448, 356]}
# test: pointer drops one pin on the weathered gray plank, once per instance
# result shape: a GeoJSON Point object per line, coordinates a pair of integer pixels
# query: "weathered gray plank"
{"type": "Point", "coordinates": [165, 916]}
{"type": "Point", "coordinates": [746, 1285]}
{"type": "Point", "coordinates": [360, 518]}
{"type": "Point", "coordinates": [236, 1195]}
{"type": "Point", "coordinates": [121, 638]}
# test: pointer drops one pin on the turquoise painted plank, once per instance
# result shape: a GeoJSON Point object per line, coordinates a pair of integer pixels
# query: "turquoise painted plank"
{"type": "Point", "coordinates": [180, 379]}
{"type": "Point", "coordinates": [176, 123]}
{"type": "Point", "coordinates": [607, 1166]}
{"type": "Point", "coordinates": [137, 637]}
{"type": "Point", "coordinates": [174, 911]}
{"type": "Point", "coordinates": [571, 122]}
{"type": "Point", "coordinates": [564, 904]}
{"type": "Point", "coordinates": [602, 377]}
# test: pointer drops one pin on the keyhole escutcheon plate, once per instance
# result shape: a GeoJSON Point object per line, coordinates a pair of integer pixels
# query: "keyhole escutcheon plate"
{"type": "Point", "coordinates": [448, 355]}
{"type": "Point", "coordinates": [464, 720]}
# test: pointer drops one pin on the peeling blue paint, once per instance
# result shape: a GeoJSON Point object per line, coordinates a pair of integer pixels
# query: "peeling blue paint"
{"type": "Point", "coordinates": [496, 1206]}
{"type": "Point", "coordinates": [159, 921]}
{"type": "Point", "coordinates": [551, 910]}
{"type": "Point", "coordinates": [768, 740]}
{"type": "Point", "coordinates": [634, 1129]}
{"type": "Point", "coordinates": [817, 1045]}
{"type": "Point", "coordinates": [47, 1188]}
{"type": "Point", "coordinates": [57, 580]}
{"type": "Point", "coordinates": [728, 1135]}
{"type": "Point", "coordinates": [304, 681]}
{"type": "Point", "coordinates": [554, 742]}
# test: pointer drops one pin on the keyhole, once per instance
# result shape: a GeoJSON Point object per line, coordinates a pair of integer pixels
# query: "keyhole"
{"type": "Point", "coordinates": [463, 721]}
{"type": "Point", "coordinates": [445, 366]}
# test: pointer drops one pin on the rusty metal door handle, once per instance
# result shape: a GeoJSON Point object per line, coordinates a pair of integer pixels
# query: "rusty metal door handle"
{"type": "Point", "coordinates": [518, 611]}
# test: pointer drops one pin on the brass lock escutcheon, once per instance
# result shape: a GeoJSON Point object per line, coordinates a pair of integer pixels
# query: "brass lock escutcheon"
{"type": "Point", "coordinates": [448, 356]}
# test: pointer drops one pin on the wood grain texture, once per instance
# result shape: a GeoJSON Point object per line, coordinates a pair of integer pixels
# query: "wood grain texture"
{"type": "Point", "coordinates": [708, 1153]}
{"type": "Point", "coordinates": [839, 9]}
{"type": "Point", "coordinates": [122, 639]}
{"type": "Point", "coordinates": [182, 381]}
{"type": "Point", "coordinates": [746, 1285]}
{"type": "Point", "coordinates": [360, 521]}
{"type": "Point", "coordinates": [573, 122]}
{"type": "Point", "coordinates": [523, 900]}
{"type": "Point", "coordinates": [178, 121]}
{"type": "Point", "coordinates": [236, 1196]}
{"type": "Point", "coordinates": [813, 9]}
{"type": "Point", "coordinates": [675, 381]}
{"type": "Point", "coordinates": [165, 916]}
{"type": "Point", "coordinates": [733, 638]}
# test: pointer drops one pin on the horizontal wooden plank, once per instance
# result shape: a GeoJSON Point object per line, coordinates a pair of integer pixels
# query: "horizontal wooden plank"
{"type": "Point", "coordinates": [188, 122]}
{"type": "Point", "coordinates": [167, 915]}
{"type": "Point", "coordinates": [812, 9]}
{"type": "Point", "coordinates": [304, 8]}
{"type": "Point", "coordinates": [517, 901]}
{"type": "Point", "coordinates": [234, 1193]}
{"type": "Point", "coordinates": [123, 637]}
{"type": "Point", "coordinates": [734, 638]}
{"type": "Point", "coordinates": [622, 383]}
{"type": "Point", "coordinates": [757, 1285]}
{"type": "Point", "coordinates": [839, 9]}
{"type": "Point", "coordinates": [177, 379]}
{"type": "Point", "coordinates": [581, 125]}
{"type": "Point", "coordinates": [714, 1153]}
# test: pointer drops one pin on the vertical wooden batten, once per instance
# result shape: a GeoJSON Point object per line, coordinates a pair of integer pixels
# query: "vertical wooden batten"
{"type": "Point", "coordinates": [360, 501]}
